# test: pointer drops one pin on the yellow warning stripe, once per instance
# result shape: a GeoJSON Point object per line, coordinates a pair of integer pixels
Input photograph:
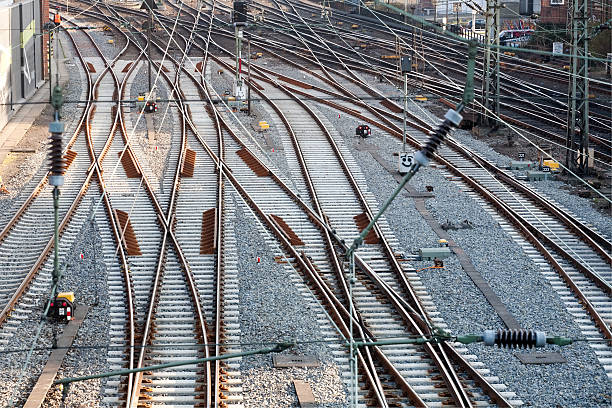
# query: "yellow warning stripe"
{"type": "Point", "coordinates": [27, 33]}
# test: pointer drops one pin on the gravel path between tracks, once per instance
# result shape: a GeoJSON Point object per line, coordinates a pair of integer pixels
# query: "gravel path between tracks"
{"type": "Point", "coordinates": [512, 275]}
{"type": "Point", "coordinates": [272, 309]}
{"type": "Point", "coordinates": [269, 140]}
{"type": "Point", "coordinates": [87, 279]}
{"type": "Point", "coordinates": [555, 189]}
{"type": "Point", "coordinates": [155, 146]}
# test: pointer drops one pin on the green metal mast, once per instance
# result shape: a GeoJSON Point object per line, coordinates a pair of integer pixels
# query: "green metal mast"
{"type": "Point", "coordinates": [490, 92]}
{"type": "Point", "coordinates": [577, 157]}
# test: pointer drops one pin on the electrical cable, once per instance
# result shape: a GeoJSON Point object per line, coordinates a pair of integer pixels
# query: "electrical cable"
{"type": "Point", "coordinates": [513, 129]}
{"type": "Point", "coordinates": [542, 223]}
{"type": "Point", "coordinates": [539, 220]}
{"type": "Point", "coordinates": [541, 150]}
{"type": "Point", "coordinates": [329, 317]}
{"type": "Point", "coordinates": [187, 346]}
{"type": "Point", "coordinates": [128, 139]}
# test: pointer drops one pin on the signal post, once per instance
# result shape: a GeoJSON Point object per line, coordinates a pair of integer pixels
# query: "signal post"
{"type": "Point", "coordinates": [239, 19]}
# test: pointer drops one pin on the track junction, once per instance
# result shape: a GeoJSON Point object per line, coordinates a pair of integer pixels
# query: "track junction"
{"type": "Point", "coordinates": [168, 237]}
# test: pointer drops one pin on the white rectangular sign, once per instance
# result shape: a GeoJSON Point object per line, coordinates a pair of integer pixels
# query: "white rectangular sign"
{"type": "Point", "coordinates": [557, 48]}
{"type": "Point", "coordinates": [405, 161]}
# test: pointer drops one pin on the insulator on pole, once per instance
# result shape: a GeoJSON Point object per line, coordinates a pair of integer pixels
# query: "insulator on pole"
{"type": "Point", "coordinates": [515, 338]}
{"type": "Point", "coordinates": [451, 119]}
{"type": "Point", "coordinates": [56, 159]}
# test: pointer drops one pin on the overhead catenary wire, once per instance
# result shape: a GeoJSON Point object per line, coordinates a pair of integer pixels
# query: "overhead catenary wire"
{"type": "Point", "coordinates": [391, 30]}
{"type": "Point", "coordinates": [541, 221]}
{"type": "Point", "coordinates": [418, 106]}
{"type": "Point", "coordinates": [450, 80]}
{"type": "Point", "coordinates": [513, 128]}
{"type": "Point", "coordinates": [329, 317]}
{"type": "Point", "coordinates": [277, 98]}
{"type": "Point", "coordinates": [445, 35]}
{"type": "Point", "coordinates": [127, 143]}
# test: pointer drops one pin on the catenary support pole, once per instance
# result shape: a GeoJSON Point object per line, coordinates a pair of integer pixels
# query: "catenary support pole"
{"type": "Point", "coordinates": [249, 75]}
{"type": "Point", "coordinates": [491, 82]}
{"type": "Point", "coordinates": [577, 156]}
{"type": "Point", "coordinates": [405, 110]}
{"type": "Point", "coordinates": [149, 24]}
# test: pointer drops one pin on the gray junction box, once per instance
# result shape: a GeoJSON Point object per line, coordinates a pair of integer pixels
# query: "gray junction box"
{"type": "Point", "coordinates": [428, 254]}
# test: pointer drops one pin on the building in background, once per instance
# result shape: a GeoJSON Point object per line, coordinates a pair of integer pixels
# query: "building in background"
{"type": "Point", "coordinates": [23, 59]}
{"type": "Point", "coordinates": [555, 11]}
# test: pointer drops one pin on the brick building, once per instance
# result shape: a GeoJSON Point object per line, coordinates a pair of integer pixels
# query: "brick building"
{"type": "Point", "coordinates": [555, 11]}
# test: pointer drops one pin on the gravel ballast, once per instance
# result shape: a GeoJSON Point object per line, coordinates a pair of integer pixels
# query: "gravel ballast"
{"type": "Point", "coordinates": [273, 310]}
{"type": "Point", "coordinates": [514, 277]}
{"type": "Point", "coordinates": [87, 279]}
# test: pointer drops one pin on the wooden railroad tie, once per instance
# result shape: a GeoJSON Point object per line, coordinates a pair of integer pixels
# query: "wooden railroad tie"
{"type": "Point", "coordinates": [362, 220]}
{"type": "Point", "coordinates": [188, 163]}
{"type": "Point", "coordinates": [129, 164]}
{"type": "Point", "coordinates": [209, 232]}
{"type": "Point", "coordinates": [69, 158]}
{"type": "Point", "coordinates": [292, 236]}
{"type": "Point", "coordinates": [253, 163]}
{"type": "Point", "coordinates": [128, 236]}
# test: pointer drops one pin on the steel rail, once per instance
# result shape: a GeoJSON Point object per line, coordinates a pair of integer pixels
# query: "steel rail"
{"type": "Point", "coordinates": [598, 324]}
{"type": "Point", "coordinates": [455, 389]}
{"type": "Point", "coordinates": [82, 125]}
{"type": "Point", "coordinates": [402, 382]}
{"type": "Point", "coordinates": [166, 219]}
{"type": "Point", "coordinates": [189, 278]}
{"type": "Point", "coordinates": [445, 59]}
{"type": "Point", "coordinates": [452, 381]}
{"type": "Point", "coordinates": [565, 218]}
{"type": "Point", "coordinates": [364, 361]}
{"type": "Point", "coordinates": [590, 237]}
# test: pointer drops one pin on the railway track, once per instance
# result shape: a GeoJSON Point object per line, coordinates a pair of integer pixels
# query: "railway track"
{"type": "Point", "coordinates": [167, 288]}
{"type": "Point", "coordinates": [573, 260]}
{"type": "Point", "coordinates": [279, 221]}
{"type": "Point", "coordinates": [442, 57]}
{"type": "Point", "coordinates": [592, 262]}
